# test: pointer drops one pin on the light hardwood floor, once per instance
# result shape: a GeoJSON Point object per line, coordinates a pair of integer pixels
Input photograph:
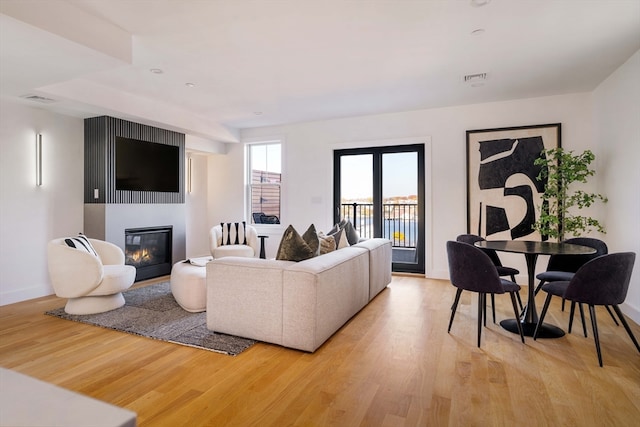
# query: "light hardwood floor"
{"type": "Point", "coordinates": [393, 364]}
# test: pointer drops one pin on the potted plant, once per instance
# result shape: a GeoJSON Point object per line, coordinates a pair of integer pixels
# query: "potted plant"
{"type": "Point", "coordinates": [561, 169]}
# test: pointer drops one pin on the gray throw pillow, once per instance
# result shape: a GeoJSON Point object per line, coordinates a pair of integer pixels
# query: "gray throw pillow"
{"type": "Point", "coordinates": [341, 239]}
{"type": "Point", "coordinates": [352, 234]}
{"type": "Point", "coordinates": [333, 230]}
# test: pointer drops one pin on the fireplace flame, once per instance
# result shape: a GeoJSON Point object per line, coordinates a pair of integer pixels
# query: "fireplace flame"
{"type": "Point", "coordinates": [141, 255]}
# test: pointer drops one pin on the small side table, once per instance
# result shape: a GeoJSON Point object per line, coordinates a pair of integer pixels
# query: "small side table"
{"type": "Point", "coordinates": [262, 251]}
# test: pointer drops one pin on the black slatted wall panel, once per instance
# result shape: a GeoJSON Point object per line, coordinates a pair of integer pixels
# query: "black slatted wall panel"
{"type": "Point", "coordinates": [99, 160]}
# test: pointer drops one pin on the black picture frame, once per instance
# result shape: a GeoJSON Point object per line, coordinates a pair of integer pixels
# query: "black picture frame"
{"type": "Point", "coordinates": [503, 194]}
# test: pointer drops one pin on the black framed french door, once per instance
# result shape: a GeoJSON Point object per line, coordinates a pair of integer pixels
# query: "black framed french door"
{"type": "Point", "coordinates": [381, 191]}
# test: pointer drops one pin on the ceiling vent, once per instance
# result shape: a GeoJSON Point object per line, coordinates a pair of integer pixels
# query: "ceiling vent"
{"type": "Point", "coordinates": [38, 98]}
{"type": "Point", "coordinates": [475, 78]}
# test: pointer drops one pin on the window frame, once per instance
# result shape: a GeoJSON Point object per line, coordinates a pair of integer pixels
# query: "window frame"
{"type": "Point", "coordinates": [248, 179]}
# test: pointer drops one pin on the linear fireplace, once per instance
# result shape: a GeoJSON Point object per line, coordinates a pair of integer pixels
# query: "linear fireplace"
{"type": "Point", "coordinates": [149, 251]}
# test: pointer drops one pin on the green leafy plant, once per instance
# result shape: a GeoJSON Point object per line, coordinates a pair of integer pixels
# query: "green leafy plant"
{"type": "Point", "coordinates": [561, 169]}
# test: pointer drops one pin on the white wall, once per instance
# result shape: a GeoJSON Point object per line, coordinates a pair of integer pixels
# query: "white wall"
{"type": "Point", "coordinates": [617, 132]}
{"type": "Point", "coordinates": [30, 216]}
{"type": "Point", "coordinates": [197, 210]}
{"type": "Point", "coordinates": [307, 187]}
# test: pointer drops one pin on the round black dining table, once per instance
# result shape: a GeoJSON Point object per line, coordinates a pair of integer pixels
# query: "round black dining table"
{"type": "Point", "coordinates": [531, 250]}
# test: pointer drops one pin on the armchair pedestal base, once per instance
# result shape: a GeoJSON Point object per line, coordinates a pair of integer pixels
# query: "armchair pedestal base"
{"type": "Point", "coordinates": [94, 304]}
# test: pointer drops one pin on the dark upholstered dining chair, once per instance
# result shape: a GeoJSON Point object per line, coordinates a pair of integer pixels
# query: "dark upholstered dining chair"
{"type": "Point", "coordinates": [563, 267]}
{"type": "Point", "coordinates": [470, 269]}
{"type": "Point", "coordinates": [601, 281]}
{"type": "Point", "coordinates": [495, 259]}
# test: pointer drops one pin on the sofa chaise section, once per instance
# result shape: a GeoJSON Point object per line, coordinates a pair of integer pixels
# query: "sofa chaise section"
{"type": "Point", "coordinates": [321, 294]}
{"type": "Point", "coordinates": [380, 254]}
{"type": "Point", "coordinates": [295, 304]}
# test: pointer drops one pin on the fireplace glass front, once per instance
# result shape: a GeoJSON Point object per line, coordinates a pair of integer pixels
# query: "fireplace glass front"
{"type": "Point", "coordinates": [149, 251]}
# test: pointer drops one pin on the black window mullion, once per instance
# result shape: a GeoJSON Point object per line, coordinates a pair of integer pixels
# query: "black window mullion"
{"type": "Point", "coordinates": [377, 193]}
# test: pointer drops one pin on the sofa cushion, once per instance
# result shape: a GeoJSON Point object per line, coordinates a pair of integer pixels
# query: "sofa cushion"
{"type": "Point", "coordinates": [293, 247]}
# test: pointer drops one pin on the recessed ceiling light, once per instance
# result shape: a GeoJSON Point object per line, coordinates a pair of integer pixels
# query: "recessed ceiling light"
{"type": "Point", "coordinates": [190, 84]}
{"type": "Point", "coordinates": [156, 70]}
{"type": "Point", "coordinates": [478, 32]}
{"type": "Point", "coordinates": [480, 3]}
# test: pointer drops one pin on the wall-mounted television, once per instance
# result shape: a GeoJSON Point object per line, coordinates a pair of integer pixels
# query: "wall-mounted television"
{"type": "Point", "coordinates": [147, 166]}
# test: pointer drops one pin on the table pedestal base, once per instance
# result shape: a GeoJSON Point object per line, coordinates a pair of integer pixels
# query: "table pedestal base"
{"type": "Point", "coordinates": [546, 330]}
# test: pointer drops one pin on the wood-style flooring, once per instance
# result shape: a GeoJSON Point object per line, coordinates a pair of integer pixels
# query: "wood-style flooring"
{"type": "Point", "coordinates": [393, 364]}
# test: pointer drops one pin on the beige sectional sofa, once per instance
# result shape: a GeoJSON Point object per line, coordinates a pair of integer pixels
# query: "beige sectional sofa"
{"type": "Point", "coordinates": [295, 304]}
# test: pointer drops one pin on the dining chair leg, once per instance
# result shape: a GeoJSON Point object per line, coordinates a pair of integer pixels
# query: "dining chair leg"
{"type": "Point", "coordinates": [571, 313]}
{"type": "Point", "coordinates": [484, 309]}
{"type": "Point", "coordinates": [542, 314]}
{"type": "Point", "coordinates": [612, 316]}
{"type": "Point", "coordinates": [563, 304]}
{"type": "Point", "coordinates": [626, 326]}
{"type": "Point", "coordinates": [453, 308]}
{"type": "Point", "coordinates": [519, 300]}
{"type": "Point", "coordinates": [584, 324]}
{"type": "Point", "coordinates": [481, 302]}
{"type": "Point", "coordinates": [596, 338]}
{"type": "Point", "coordinates": [493, 309]}
{"type": "Point", "coordinates": [515, 311]}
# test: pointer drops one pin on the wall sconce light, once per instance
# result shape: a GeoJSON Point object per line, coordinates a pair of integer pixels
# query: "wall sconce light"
{"type": "Point", "coordinates": [39, 159]}
{"type": "Point", "coordinates": [189, 172]}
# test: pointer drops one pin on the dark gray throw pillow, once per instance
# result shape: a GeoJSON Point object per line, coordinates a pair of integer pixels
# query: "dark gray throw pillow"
{"type": "Point", "coordinates": [352, 234]}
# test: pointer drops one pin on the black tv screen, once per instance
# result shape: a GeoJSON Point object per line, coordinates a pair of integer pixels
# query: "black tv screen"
{"type": "Point", "coordinates": [147, 166]}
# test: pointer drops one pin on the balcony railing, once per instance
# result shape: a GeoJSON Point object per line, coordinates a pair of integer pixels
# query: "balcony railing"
{"type": "Point", "coordinates": [400, 221]}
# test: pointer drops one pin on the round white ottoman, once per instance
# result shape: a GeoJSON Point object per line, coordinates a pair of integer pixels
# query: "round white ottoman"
{"type": "Point", "coordinates": [188, 286]}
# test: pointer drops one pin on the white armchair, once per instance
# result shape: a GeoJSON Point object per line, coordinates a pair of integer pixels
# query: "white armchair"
{"type": "Point", "coordinates": [221, 248]}
{"type": "Point", "coordinates": [92, 284]}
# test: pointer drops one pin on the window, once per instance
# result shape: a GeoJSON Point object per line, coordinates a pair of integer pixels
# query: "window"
{"type": "Point", "coordinates": [265, 180]}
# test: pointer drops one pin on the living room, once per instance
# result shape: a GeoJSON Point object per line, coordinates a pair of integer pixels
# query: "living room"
{"type": "Point", "coordinates": [603, 118]}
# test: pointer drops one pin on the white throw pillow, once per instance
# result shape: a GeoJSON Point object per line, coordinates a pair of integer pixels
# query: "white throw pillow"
{"type": "Point", "coordinates": [81, 243]}
{"type": "Point", "coordinates": [233, 233]}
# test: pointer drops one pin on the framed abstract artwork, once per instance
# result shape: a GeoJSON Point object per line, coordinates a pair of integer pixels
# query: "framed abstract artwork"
{"type": "Point", "coordinates": [503, 194]}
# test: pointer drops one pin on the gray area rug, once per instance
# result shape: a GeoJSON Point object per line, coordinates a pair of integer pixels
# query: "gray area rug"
{"type": "Point", "coordinates": [152, 312]}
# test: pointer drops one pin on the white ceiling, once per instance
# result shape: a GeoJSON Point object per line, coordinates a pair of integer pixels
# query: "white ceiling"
{"type": "Point", "coordinates": [258, 63]}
